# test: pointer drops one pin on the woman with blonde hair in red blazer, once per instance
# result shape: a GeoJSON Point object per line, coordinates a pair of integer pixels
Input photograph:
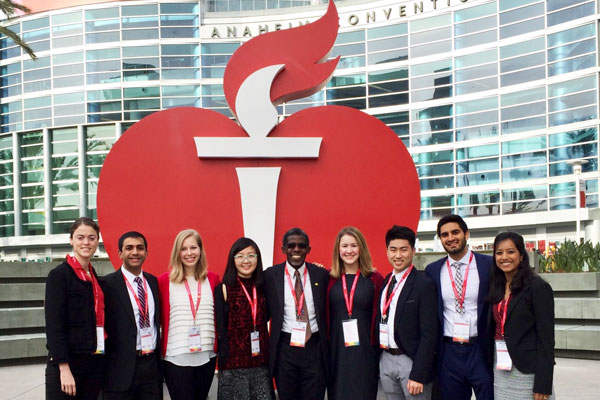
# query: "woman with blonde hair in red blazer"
{"type": "Point", "coordinates": [188, 319]}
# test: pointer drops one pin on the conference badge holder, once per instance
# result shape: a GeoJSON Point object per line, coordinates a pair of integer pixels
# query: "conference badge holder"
{"type": "Point", "coordinates": [255, 343]}
{"type": "Point", "coordinates": [146, 339]}
{"type": "Point", "coordinates": [194, 339]}
{"type": "Point", "coordinates": [298, 338]}
{"type": "Point", "coordinates": [350, 328]}
{"type": "Point", "coordinates": [384, 339]}
{"type": "Point", "coordinates": [99, 340]}
{"type": "Point", "coordinates": [503, 361]}
{"type": "Point", "coordinates": [461, 328]}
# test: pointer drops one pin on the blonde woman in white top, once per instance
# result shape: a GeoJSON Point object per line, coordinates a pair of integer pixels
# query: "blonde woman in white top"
{"type": "Point", "coordinates": [188, 319]}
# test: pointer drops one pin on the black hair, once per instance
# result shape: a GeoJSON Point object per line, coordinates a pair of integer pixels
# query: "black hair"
{"type": "Point", "coordinates": [497, 277]}
{"type": "Point", "coordinates": [452, 218]}
{"type": "Point", "coordinates": [230, 275]}
{"type": "Point", "coordinates": [131, 234]}
{"type": "Point", "coordinates": [83, 221]}
{"type": "Point", "coordinates": [400, 232]}
{"type": "Point", "coordinates": [293, 232]}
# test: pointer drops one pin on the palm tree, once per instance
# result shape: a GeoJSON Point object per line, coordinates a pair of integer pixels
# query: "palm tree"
{"type": "Point", "coordinates": [9, 8]}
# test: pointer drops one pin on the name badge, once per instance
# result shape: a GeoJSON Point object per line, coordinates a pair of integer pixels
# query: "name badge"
{"type": "Point", "coordinates": [298, 338]}
{"type": "Point", "coordinates": [350, 328]}
{"type": "Point", "coordinates": [461, 328]}
{"type": "Point", "coordinates": [503, 361]}
{"type": "Point", "coordinates": [194, 339]}
{"type": "Point", "coordinates": [146, 339]}
{"type": "Point", "coordinates": [99, 340]}
{"type": "Point", "coordinates": [254, 343]}
{"type": "Point", "coordinates": [384, 340]}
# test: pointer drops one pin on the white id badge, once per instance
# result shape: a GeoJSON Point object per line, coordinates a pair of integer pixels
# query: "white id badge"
{"type": "Point", "coordinates": [503, 361]}
{"type": "Point", "coordinates": [384, 340]}
{"type": "Point", "coordinates": [99, 340]}
{"type": "Point", "coordinates": [146, 338]}
{"type": "Point", "coordinates": [298, 338]}
{"type": "Point", "coordinates": [461, 328]}
{"type": "Point", "coordinates": [350, 327]}
{"type": "Point", "coordinates": [194, 342]}
{"type": "Point", "coordinates": [254, 343]}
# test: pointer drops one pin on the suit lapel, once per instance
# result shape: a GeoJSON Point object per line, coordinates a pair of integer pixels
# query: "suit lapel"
{"type": "Point", "coordinates": [437, 270]}
{"type": "Point", "coordinates": [122, 293]}
{"type": "Point", "coordinates": [513, 301]}
{"type": "Point", "coordinates": [154, 289]}
{"type": "Point", "coordinates": [483, 273]}
{"type": "Point", "coordinates": [315, 293]}
{"type": "Point", "coordinates": [280, 287]}
{"type": "Point", "coordinates": [404, 293]}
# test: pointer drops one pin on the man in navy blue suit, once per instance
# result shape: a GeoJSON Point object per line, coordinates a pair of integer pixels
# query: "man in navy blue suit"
{"type": "Point", "coordinates": [462, 286]}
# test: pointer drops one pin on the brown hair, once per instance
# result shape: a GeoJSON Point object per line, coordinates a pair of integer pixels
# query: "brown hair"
{"type": "Point", "coordinates": [83, 221]}
{"type": "Point", "coordinates": [365, 264]}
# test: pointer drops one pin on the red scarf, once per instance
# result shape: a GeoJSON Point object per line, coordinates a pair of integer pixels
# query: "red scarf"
{"type": "Point", "coordinates": [98, 294]}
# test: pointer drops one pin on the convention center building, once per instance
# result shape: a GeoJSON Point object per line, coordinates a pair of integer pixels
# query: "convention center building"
{"type": "Point", "coordinates": [493, 99]}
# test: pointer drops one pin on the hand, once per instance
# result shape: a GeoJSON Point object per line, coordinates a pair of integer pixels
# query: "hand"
{"type": "Point", "coordinates": [540, 396]}
{"type": "Point", "coordinates": [415, 388]}
{"type": "Point", "coordinates": [319, 265]}
{"type": "Point", "coordinates": [67, 382]}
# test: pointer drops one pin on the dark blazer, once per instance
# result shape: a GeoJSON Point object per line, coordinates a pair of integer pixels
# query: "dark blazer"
{"type": "Point", "coordinates": [416, 323]}
{"type": "Point", "coordinates": [529, 333]}
{"type": "Point", "coordinates": [274, 287]}
{"type": "Point", "coordinates": [484, 265]}
{"type": "Point", "coordinates": [121, 328]}
{"type": "Point", "coordinates": [70, 315]}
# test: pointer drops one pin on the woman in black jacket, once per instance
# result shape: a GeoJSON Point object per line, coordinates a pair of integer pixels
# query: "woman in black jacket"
{"type": "Point", "coordinates": [522, 324]}
{"type": "Point", "coordinates": [74, 309]}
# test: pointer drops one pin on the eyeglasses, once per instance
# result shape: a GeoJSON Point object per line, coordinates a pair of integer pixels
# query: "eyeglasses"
{"type": "Point", "coordinates": [292, 245]}
{"type": "Point", "coordinates": [240, 257]}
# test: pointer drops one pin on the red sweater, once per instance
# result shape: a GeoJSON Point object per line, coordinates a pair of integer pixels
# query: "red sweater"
{"type": "Point", "coordinates": [165, 305]}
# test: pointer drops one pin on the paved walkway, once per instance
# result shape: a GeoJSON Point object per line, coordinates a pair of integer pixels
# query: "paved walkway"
{"type": "Point", "coordinates": [573, 380]}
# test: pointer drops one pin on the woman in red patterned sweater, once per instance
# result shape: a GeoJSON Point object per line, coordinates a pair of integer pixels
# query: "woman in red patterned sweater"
{"type": "Point", "coordinates": [242, 316]}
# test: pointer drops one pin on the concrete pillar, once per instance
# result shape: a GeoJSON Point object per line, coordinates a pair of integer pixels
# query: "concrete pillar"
{"type": "Point", "coordinates": [47, 148]}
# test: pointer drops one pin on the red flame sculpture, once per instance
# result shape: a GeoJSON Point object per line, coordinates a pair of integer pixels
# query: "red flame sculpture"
{"type": "Point", "coordinates": [304, 73]}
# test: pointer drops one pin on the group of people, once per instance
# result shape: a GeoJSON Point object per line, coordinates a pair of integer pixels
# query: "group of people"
{"type": "Point", "coordinates": [468, 323]}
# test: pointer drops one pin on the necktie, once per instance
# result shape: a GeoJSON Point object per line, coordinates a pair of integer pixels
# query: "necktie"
{"type": "Point", "coordinates": [458, 281]}
{"type": "Point", "coordinates": [389, 293]}
{"type": "Point", "coordinates": [298, 290]}
{"type": "Point", "coordinates": [144, 319]}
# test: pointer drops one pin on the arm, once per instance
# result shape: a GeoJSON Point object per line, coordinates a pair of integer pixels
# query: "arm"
{"type": "Point", "coordinates": [222, 321]}
{"type": "Point", "coordinates": [56, 331]}
{"type": "Point", "coordinates": [543, 309]}
{"type": "Point", "coordinates": [423, 365]}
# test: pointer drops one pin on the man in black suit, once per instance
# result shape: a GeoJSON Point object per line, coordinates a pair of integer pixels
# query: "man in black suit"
{"type": "Point", "coordinates": [296, 294]}
{"type": "Point", "coordinates": [132, 321]}
{"type": "Point", "coordinates": [462, 286]}
{"type": "Point", "coordinates": [408, 328]}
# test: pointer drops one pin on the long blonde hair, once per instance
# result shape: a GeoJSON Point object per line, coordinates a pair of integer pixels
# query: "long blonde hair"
{"type": "Point", "coordinates": [177, 275]}
{"type": "Point", "coordinates": [365, 264]}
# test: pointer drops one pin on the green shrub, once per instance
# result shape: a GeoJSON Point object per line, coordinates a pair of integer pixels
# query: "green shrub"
{"type": "Point", "coordinates": [572, 257]}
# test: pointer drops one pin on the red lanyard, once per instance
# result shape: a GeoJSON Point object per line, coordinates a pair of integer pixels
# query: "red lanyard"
{"type": "Point", "coordinates": [388, 301]}
{"type": "Point", "coordinates": [349, 300]}
{"type": "Point", "coordinates": [504, 312]}
{"type": "Point", "coordinates": [300, 303]}
{"type": "Point", "coordinates": [198, 297]}
{"type": "Point", "coordinates": [253, 302]}
{"type": "Point", "coordinates": [144, 313]}
{"type": "Point", "coordinates": [461, 300]}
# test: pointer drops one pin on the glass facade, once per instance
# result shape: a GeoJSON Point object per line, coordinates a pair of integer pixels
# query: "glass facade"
{"type": "Point", "coordinates": [492, 98]}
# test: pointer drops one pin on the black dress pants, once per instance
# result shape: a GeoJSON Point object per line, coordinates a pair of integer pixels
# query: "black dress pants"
{"type": "Point", "coordinates": [189, 383]}
{"type": "Point", "coordinates": [87, 370]}
{"type": "Point", "coordinates": [300, 371]}
{"type": "Point", "coordinates": [147, 381]}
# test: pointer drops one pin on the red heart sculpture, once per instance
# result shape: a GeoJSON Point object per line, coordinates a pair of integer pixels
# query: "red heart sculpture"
{"type": "Point", "coordinates": [153, 182]}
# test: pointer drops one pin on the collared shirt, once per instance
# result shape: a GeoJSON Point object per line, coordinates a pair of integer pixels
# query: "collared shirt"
{"type": "Point", "coordinates": [136, 310]}
{"type": "Point", "coordinates": [392, 309]}
{"type": "Point", "coordinates": [471, 295]}
{"type": "Point", "coordinates": [289, 308]}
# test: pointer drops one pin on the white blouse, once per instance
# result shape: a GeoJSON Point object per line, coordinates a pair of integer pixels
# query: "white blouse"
{"type": "Point", "coordinates": [180, 320]}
